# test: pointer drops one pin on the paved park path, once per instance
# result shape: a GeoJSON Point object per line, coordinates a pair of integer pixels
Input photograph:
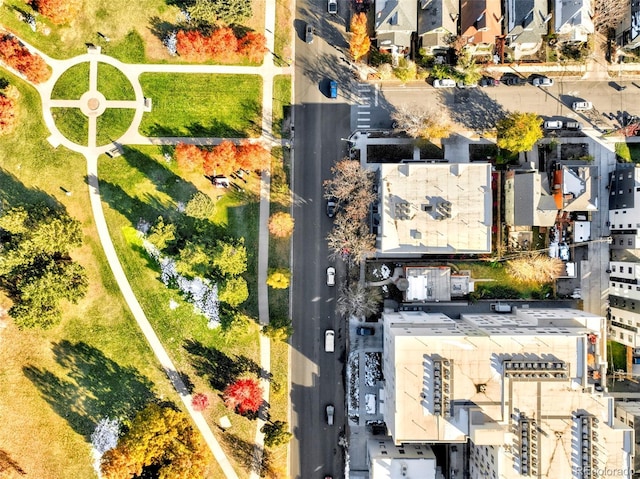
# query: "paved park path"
{"type": "Point", "coordinates": [93, 104]}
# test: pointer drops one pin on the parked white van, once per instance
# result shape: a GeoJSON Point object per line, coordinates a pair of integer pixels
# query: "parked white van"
{"type": "Point", "coordinates": [329, 340]}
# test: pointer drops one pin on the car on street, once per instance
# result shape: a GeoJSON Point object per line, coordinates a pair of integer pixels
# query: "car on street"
{"type": "Point", "coordinates": [330, 411]}
{"type": "Point", "coordinates": [332, 6]}
{"type": "Point", "coordinates": [331, 276]}
{"type": "Point", "coordinates": [329, 341]}
{"type": "Point", "coordinates": [462, 84]}
{"type": "Point", "coordinates": [487, 81]}
{"type": "Point", "coordinates": [542, 81]}
{"type": "Point", "coordinates": [563, 251]}
{"type": "Point", "coordinates": [331, 207]}
{"type": "Point", "coordinates": [511, 80]}
{"type": "Point", "coordinates": [308, 33]}
{"type": "Point", "coordinates": [553, 125]}
{"type": "Point", "coordinates": [574, 125]}
{"type": "Point", "coordinates": [365, 331]}
{"type": "Point", "coordinates": [582, 105]}
{"type": "Point", "coordinates": [333, 89]}
{"type": "Point", "coordinates": [444, 83]}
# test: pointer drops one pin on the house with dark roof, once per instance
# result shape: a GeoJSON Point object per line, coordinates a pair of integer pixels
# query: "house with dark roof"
{"type": "Point", "coordinates": [437, 23]}
{"type": "Point", "coordinates": [395, 23]}
{"type": "Point", "coordinates": [528, 200]}
{"type": "Point", "coordinates": [526, 24]}
{"type": "Point", "coordinates": [480, 24]}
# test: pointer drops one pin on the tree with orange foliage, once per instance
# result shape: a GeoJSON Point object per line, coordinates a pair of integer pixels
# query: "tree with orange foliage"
{"type": "Point", "coordinates": [222, 44]}
{"type": "Point", "coordinates": [253, 46]}
{"type": "Point", "coordinates": [19, 57]}
{"type": "Point", "coordinates": [189, 157]}
{"type": "Point", "coordinates": [360, 42]}
{"type": "Point", "coordinates": [252, 156]}
{"type": "Point", "coordinates": [221, 160]}
{"type": "Point", "coordinates": [192, 45]}
{"type": "Point", "coordinates": [244, 395]}
{"type": "Point", "coordinates": [7, 114]}
{"type": "Point", "coordinates": [58, 11]}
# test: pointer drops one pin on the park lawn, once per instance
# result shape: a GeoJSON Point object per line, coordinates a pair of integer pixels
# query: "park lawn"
{"type": "Point", "coordinates": [282, 34]}
{"type": "Point", "coordinates": [72, 123]}
{"type": "Point", "coordinates": [281, 104]}
{"type": "Point", "coordinates": [57, 383]}
{"type": "Point", "coordinates": [202, 105]}
{"type": "Point", "coordinates": [142, 184]}
{"type": "Point", "coordinates": [73, 83]}
{"type": "Point", "coordinates": [112, 124]}
{"type": "Point", "coordinates": [113, 84]}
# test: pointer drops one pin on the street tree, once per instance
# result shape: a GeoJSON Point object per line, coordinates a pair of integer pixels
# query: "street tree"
{"type": "Point", "coordinates": [230, 258]}
{"type": "Point", "coordinates": [220, 11]}
{"type": "Point", "coordinates": [279, 278]}
{"type": "Point", "coordinates": [519, 131]}
{"type": "Point", "coordinates": [468, 68]}
{"type": "Point", "coordinates": [252, 156]}
{"type": "Point", "coordinates": [535, 268]}
{"type": "Point", "coordinates": [244, 395]}
{"type": "Point", "coordinates": [281, 224]}
{"type": "Point", "coordinates": [276, 433]}
{"type": "Point", "coordinates": [160, 442]}
{"type": "Point", "coordinates": [347, 178]}
{"type": "Point", "coordinates": [358, 301]}
{"type": "Point", "coordinates": [352, 240]}
{"type": "Point", "coordinates": [233, 291]}
{"type": "Point", "coordinates": [360, 42]}
{"type": "Point", "coordinates": [418, 122]}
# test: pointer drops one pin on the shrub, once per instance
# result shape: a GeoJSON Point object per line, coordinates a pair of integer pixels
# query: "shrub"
{"type": "Point", "coordinates": [17, 56]}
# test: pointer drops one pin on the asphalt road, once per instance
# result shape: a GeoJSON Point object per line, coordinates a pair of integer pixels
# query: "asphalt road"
{"type": "Point", "coordinates": [319, 122]}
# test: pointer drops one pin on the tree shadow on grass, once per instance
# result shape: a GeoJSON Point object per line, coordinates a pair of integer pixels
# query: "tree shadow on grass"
{"type": "Point", "coordinates": [13, 193]}
{"type": "Point", "coordinates": [161, 28]}
{"type": "Point", "coordinates": [92, 387]}
{"type": "Point", "coordinates": [9, 466]}
{"type": "Point", "coordinates": [215, 129]}
{"type": "Point", "coordinates": [220, 369]}
{"type": "Point", "coordinates": [244, 453]}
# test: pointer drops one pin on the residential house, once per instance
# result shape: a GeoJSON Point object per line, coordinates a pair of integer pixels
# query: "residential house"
{"type": "Point", "coordinates": [515, 387]}
{"type": "Point", "coordinates": [480, 24]}
{"type": "Point", "coordinates": [528, 201]}
{"type": "Point", "coordinates": [628, 30]}
{"type": "Point", "coordinates": [434, 208]}
{"type": "Point", "coordinates": [437, 23]}
{"type": "Point", "coordinates": [526, 24]}
{"type": "Point", "coordinates": [573, 20]}
{"type": "Point", "coordinates": [396, 22]}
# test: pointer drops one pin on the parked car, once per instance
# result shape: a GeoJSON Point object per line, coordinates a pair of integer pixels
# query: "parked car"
{"type": "Point", "coordinates": [553, 125]}
{"type": "Point", "coordinates": [331, 276]}
{"type": "Point", "coordinates": [582, 105]}
{"type": "Point", "coordinates": [563, 251]}
{"type": "Point", "coordinates": [330, 411]}
{"type": "Point", "coordinates": [574, 125]}
{"type": "Point", "coordinates": [365, 331]}
{"type": "Point", "coordinates": [542, 81]}
{"type": "Point", "coordinates": [487, 81]}
{"type": "Point", "coordinates": [512, 80]}
{"type": "Point", "coordinates": [462, 84]}
{"type": "Point", "coordinates": [331, 207]}
{"type": "Point", "coordinates": [308, 33]}
{"type": "Point", "coordinates": [444, 83]}
{"type": "Point", "coordinates": [332, 7]}
{"type": "Point", "coordinates": [333, 89]}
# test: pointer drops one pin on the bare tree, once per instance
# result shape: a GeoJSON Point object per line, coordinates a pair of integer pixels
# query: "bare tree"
{"type": "Point", "coordinates": [537, 268]}
{"type": "Point", "coordinates": [349, 179]}
{"type": "Point", "coordinates": [356, 300]}
{"type": "Point", "coordinates": [417, 122]}
{"type": "Point", "coordinates": [351, 240]}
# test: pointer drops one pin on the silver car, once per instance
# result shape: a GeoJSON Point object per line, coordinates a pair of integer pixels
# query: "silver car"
{"type": "Point", "coordinates": [330, 411]}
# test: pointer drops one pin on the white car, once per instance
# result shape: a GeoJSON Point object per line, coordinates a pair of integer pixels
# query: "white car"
{"type": "Point", "coordinates": [542, 81]}
{"type": "Point", "coordinates": [582, 105]}
{"type": "Point", "coordinates": [553, 125]}
{"type": "Point", "coordinates": [330, 411]}
{"type": "Point", "coordinates": [332, 6]}
{"type": "Point", "coordinates": [331, 276]}
{"type": "Point", "coordinates": [444, 83]}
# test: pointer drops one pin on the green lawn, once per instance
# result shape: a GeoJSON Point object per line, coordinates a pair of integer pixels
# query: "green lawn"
{"type": "Point", "coordinates": [282, 34]}
{"type": "Point", "coordinates": [202, 105]}
{"type": "Point", "coordinates": [113, 84]}
{"type": "Point", "coordinates": [112, 124]}
{"type": "Point", "coordinates": [96, 363]}
{"type": "Point", "coordinates": [500, 281]}
{"type": "Point", "coordinates": [72, 123]}
{"type": "Point", "coordinates": [617, 356]}
{"type": "Point", "coordinates": [281, 104]}
{"type": "Point", "coordinates": [73, 83]}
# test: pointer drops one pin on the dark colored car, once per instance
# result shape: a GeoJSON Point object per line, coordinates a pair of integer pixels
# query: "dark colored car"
{"type": "Point", "coordinates": [485, 82]}
{"type": "Point", "coordinates": [333, 89]}
{"type": "Point", "coordinates": [308, 33]}
{"type": "Point", "coordinates": [331, 208]}
{"type": "Point", "coordinates": [512, 80]}
{"type": "Point", "coordinates": [365, 331]}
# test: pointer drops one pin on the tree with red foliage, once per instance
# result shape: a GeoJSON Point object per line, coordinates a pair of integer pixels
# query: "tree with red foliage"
{"type": "Point", "coordinates": [189, 157]}
{"type": "Point", "coordinates": [192, 45]}
{"type": "Point", "coordinates": [253, 46]}
{"type": "Point", "coordinates": [222, 44]}
{"type": "Point", "coordinates": [20, 58]}
{"type": "Point", "coordinates": [252, 156]}
{"type": "Point", "coordinates": [244, 395]}
{"type": "Point", "coordinates": [221, 160]}
{"type": "Point", "coordinates": [58, 11]}
{"type": "Point", "coordinates": [200, 402]}
{"type": "Point", "coordinates": [7, 114]}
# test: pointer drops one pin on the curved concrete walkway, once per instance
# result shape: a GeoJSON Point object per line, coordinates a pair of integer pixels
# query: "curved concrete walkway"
{"type": "Point", "coordinates": [93, 104]}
